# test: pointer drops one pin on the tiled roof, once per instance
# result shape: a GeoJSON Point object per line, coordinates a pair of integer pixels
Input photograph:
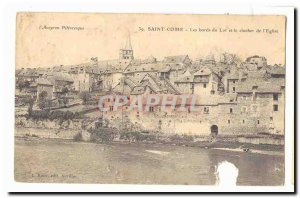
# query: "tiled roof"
{"type": "Point", "coordinates": [276, 70]}
{"type": "Point", "coordinates": [155, 84]}
{"type": "Point", "coordinates": [255, 56]}
{"type": "Point", "coordinates": [256, 74]}
{"type": "Point", "coordinates": [43, 81]}
{"type": "Point", "coordinates": [138, 90]}
{"type": "Point", "coordinates": [185, 79]}
{"type": "Point", "coordinates": [171, 88]}
{"type": "Point", "coordinates": [165, 69]}
{"type": "Point", "coordinates": [29, 73]}
{"type": "Point", "coordinates": [129, 82]}
{"type": "Point", "coordinates": [175, 59]}
{"type": "Point", "coordinates": [59, 76]}
{"type": "Point", "coordinates": [150, 67]}
{"type": "Point", "coordinates": [114, 65]}
{"type": "Point", "coordinates": [263, 86]}
{"type": "Point", "coordinates": [203, 72]}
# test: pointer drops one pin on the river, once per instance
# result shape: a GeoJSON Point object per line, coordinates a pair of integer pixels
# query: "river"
{"type": "Point", "coordinates": [62, 161]}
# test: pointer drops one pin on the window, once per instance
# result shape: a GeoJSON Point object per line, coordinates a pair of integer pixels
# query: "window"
{"type": "Point", "coordinates": [243, 121]}
{"type": "Point", "coordinates": [233, 81]}
{"type": "Point", "coordinates": [151, 109]}
{"type": "Point", "coordinates": [192, 88]}
{"type": "Point", "coordinates": [230, 110]}
{"type": "Point", "coordinates": [257, 121]}
{"type": "Point", "coordinates": [233, 89]}
{"type": "Point", "coordinates": [206, 110]}
{"type": "Point", "coordinates": [275, 107]}
{"type": "Point", "coordinates": [204, 85]}
{"type": "Point", "coordinates": [111, 108]}
{"type": "Point", "coordinates": [275, 97]}
{"type": "Point", "coordinates": [228, 121]}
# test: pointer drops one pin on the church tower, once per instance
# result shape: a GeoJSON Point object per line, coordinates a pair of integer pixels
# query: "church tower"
{"type": "Point", "coordinates": [127, 52]}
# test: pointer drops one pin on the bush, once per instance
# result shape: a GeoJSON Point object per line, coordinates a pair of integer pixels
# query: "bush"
{"type": "Point", "coordinates": [175, 137]}
{"type": "Point", "coordinates": [102, 135]}
{"type": "Point", "coordinates": [63, 115]}
{"type": "Point", "coordinates": [34, 135]}
{"type": "Point", "coordinates": [137, 136]}
{"type": "Point", "coordinates": [44, 103]}
{"type": "Point", "coordinates": [31, 135]}
{"type": "Point", "coordinates": [181, 138]}
{"type": "Point", "coordinates": [39, 114]}
{"type": "Point", "coordinates": [68, 115]}
{"type": "Point", "coordinates": [188, 138]}
{"type": "Point", "coordinates": [57, 114]}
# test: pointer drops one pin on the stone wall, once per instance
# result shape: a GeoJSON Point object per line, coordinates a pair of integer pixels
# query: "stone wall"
{"type": "Point", "coordinates": [229, 119]}
{"type": "Point", "coordinates": [21, 121]}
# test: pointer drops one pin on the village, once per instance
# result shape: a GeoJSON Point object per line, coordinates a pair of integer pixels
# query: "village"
{"type": "Point", "coordinates": [233, 96]}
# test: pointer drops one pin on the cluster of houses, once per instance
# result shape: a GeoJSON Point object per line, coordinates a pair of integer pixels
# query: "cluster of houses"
{"type": "Point", "coordinates": [234, 97]}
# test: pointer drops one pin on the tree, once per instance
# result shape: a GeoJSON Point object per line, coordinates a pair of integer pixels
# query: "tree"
{"type": "Point", "coordinates": [230, 58]}
{"type": "Point", "coordinates": [29, 102]}
{"type": "Point", "coordinates": [21, 84]}
{"type": "Point", "coordinates": [85, 96]}
{"type": "Point", "coordinates": [43, 95]}
{"type": "Point", "coordinates": [43, 101]}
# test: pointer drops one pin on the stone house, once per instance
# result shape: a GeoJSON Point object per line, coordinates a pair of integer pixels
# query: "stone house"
{"type": "Point", "coordinates": [261, 103]}
{"type": "Point", "coordinates": [203, 82]}
{"type": "Point", "coordinates": [86, 78]}
{"type": "Point", "coordinates": [44, 85]}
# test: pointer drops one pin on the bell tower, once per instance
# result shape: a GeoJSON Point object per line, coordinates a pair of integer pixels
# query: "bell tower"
{"type": "Point", "coordinates": [127, 52]}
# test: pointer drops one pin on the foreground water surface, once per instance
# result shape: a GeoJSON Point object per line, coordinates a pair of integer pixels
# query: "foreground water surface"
{"type": "Point", "coordinates": [61, 161]}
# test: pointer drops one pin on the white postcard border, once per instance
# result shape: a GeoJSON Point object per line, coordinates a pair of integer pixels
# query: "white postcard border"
{"type": "Point", "coordinates": [9, 17]}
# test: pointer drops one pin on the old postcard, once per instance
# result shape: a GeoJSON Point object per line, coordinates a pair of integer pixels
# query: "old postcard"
{"type": "Point", "coordinates": [150, 99]}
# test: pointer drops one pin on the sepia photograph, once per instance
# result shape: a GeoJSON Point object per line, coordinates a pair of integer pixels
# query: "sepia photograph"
{"type": "Point", "coordinates": [150, 99]}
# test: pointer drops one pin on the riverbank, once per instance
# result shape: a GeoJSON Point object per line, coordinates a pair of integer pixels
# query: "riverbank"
{"type": "Point", "coordinates": [231, 143]}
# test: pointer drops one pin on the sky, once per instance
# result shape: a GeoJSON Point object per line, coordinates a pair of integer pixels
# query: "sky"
{"type": "Point", "coordinates": [102, 35]}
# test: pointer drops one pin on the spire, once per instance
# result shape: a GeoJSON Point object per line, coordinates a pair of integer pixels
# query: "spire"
{"type": "Point", "coordinates": [128, 43]}
{"type": "Point", "coordinates": [127, 52]}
